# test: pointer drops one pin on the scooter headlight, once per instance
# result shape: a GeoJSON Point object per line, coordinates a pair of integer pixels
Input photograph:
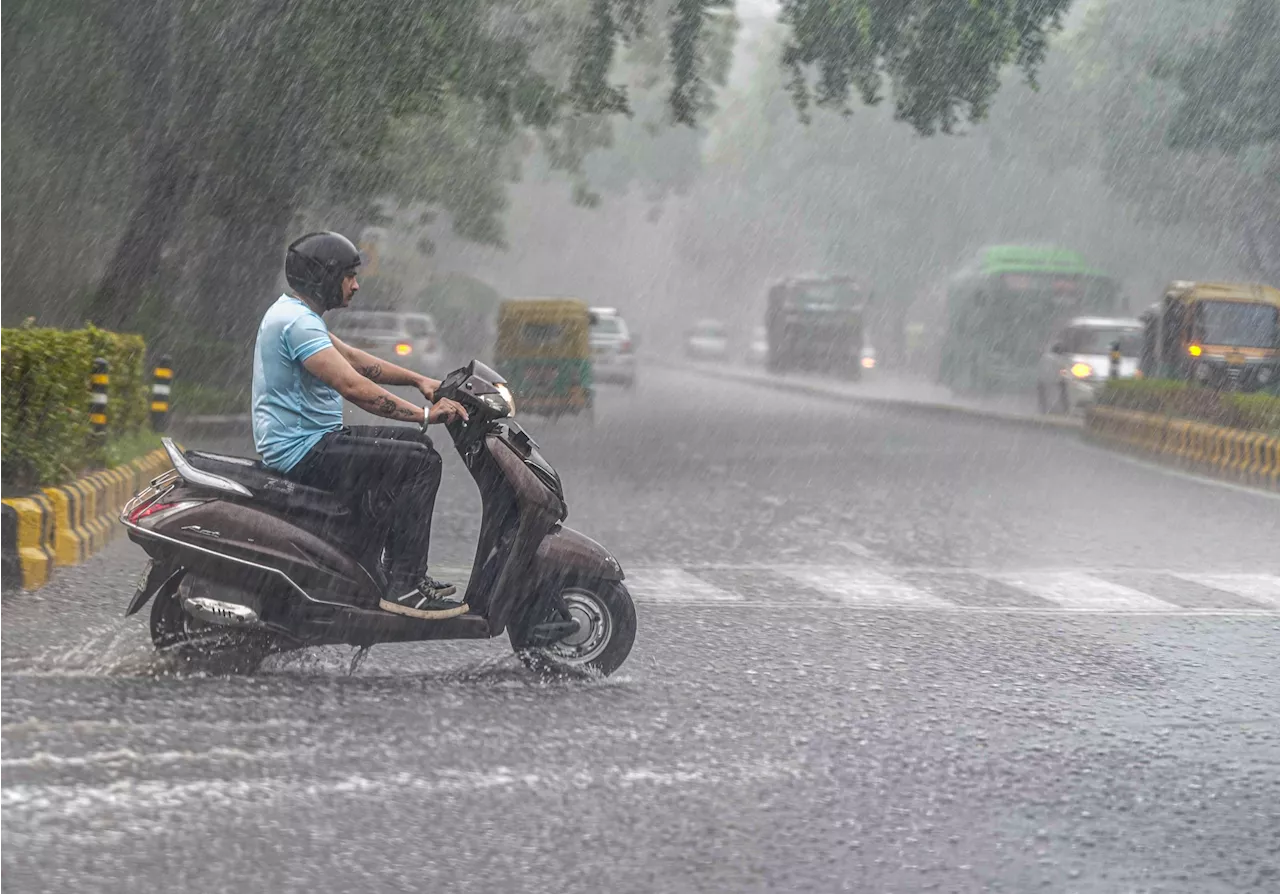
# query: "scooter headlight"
{"type": "Point", "coordinates": [506, 395]}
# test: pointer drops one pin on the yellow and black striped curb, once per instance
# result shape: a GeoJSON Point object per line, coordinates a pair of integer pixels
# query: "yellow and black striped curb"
{"type": "Point", "coordinates": [1248, 457]}
{"type": "Point", "coordinates": [67, 524]}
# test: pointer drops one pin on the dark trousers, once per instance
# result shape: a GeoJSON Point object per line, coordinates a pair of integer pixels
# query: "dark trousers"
{"type": "Point", "coordinates": [389, 474]}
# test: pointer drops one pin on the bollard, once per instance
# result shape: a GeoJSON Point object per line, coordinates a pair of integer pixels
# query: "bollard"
{"type": "Point", "coordinates": [99, 381]}
{"type": "Point", "coordinates": [1115, 360]}
{"type": "Point", "coordinates": [162, 379]}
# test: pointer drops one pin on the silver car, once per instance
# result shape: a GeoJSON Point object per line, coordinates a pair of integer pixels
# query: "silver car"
{"type": "Point", "coordinates": [1077, 361]}
{"type": "Point", "coordinates": [411, 340]}
{"type": "Point", "coordinates": [613, 355]}
{"type": "Point", "coordinates": [707, 340]}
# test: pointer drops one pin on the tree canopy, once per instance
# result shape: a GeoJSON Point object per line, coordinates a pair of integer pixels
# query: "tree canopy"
{"type": "Point", "coordinates": [174, 144]}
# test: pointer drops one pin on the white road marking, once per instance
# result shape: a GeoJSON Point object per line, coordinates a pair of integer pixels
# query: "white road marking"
{"type": "Point", "coordinates": [857, 549]}
{"type": "Point", "coordinates": [1077, 591]}
{"type": "Point", "coordinates": [675, 585]}
{"type": "Point", "coordinates": [1262, 588]}
{"type": "Point", "coordinates": [1155, 465]}
{"type": "Point", "coordinates": [861, 586]}
{"type": "Point", "coordinates": [128, 755]}
{"type": "Point", "coordinates": [155, 797]}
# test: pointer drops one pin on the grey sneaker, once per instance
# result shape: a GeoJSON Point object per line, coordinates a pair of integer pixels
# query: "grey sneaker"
{"type": "Point", "coordinates": [428, 600]}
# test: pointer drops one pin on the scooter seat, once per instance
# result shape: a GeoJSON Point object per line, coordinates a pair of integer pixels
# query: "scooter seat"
{"type": "Point", "coordinates": [269, 487]}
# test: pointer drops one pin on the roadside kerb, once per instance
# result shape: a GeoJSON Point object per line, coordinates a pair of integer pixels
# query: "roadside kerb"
{"type": "Point", "coordinates": [782, 383]}
{"type": "Point", "coordinates": [67, 524]}
{"type": "Point", "coordinates": [1246, 457]}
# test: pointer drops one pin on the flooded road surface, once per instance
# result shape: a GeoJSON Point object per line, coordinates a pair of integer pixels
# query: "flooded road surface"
{"type": "Point", "coordinates": [876, 652]}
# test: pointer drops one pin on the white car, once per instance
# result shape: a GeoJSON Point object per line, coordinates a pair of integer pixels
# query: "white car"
{"type": "Point", "coordinates": [613, 355]}
{"type": "Point", "coordinates": [411, 340]}
{"type": "Point", "coordinates": [707, 340]}
{"type": "Point", "coordinates": [1077, 361]}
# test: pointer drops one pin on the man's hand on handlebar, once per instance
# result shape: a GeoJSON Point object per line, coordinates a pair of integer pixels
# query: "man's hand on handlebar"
{"type": "Point", "coordinates": [427, 386]}
{"type": "Point", "coordinates": [446, 410]}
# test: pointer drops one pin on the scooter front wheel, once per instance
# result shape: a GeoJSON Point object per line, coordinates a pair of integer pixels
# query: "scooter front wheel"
{"type": "Point", "coordinates": [606, 616]}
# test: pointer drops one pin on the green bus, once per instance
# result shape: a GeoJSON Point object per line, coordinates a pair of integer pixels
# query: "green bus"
{"type": "Point", "coordinates": [1002, 308]}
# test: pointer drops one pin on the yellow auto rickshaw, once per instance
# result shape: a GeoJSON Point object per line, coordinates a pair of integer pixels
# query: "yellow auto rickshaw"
{"type": "Point", "coordinates": [1224, 335]}
{"type": "Point", "coordinates": [544, 351]}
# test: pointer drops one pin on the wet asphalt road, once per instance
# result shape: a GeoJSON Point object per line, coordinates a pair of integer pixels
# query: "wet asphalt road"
{"type": "Point", "coordinates": [878, 651]}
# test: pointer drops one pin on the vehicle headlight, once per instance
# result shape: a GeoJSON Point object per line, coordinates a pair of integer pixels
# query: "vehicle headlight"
{"type": "Point", "coordinates": [1081, 370]}
{"type": "Point", "coordinates": [506, 395]}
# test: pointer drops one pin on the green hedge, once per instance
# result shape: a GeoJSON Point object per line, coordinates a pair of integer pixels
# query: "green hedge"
{"type": "Point", "coordinates": [1251, 412]}
{"type": "Point", "coordinates": [45, 379]}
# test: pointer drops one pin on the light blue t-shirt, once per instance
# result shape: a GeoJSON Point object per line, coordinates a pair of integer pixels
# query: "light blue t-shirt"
{"type": "Point", "coordinates": [292, 409]}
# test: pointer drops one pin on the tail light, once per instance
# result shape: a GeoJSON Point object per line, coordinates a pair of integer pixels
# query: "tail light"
{"type": "Point", "coordinates": [431, 345]}
{"type": "Point", "coordinates": [625, 347]}
{"type": "Point", "coordinates": [156, 511]}
{"type": "Point", "coordinates": [404, 349]}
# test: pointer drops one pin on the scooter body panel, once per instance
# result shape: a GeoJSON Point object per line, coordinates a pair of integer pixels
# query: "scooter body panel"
{"type": "Point", "coordinates": [209, 534]}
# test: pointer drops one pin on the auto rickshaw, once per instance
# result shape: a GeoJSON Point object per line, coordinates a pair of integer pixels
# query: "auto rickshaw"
{"type": "Point", "coordinates": [1222, 335]}
{"type": "Point", "coordinates": [544, 350]}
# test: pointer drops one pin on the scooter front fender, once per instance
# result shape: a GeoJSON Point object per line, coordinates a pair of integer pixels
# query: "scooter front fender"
{"type": "Point", "coordinates": [566, 553]}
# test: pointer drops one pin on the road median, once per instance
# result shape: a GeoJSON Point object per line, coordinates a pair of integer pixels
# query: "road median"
{"type": "Point", "coordinates": [1245, 457]}
{"type": "Point", "coordinates": [66, 524]}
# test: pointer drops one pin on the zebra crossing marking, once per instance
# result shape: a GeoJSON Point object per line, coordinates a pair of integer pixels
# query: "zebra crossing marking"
{"type": "Point", "coordinates": [861, 586]}
{"type": "Point", "coordinates": [1052, 591]}
{"type": "Point", "coordinates": [676, 585]}
{"type": "Point", "coordinates": [1059, 591]}
{"type": "Point", "coordinates": [1263, 588]}
{"type": "Point", "coordinates": [1081, 592]}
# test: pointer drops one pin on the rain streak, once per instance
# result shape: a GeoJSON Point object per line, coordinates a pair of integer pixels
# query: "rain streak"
{"type": "Point", "coordinates": [651, 445]}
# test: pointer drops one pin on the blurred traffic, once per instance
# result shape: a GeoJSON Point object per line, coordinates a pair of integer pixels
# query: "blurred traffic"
{"type": "Point", "coordinates": [1036, 325]}
{"type": "Point", "coordinates": [411, 340]}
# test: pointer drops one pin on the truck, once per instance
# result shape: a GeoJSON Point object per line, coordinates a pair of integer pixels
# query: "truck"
{"type": "Point", "coordinates": [815, 322]}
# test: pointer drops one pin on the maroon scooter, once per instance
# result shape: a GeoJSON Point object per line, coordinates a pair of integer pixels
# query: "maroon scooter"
{"type": "Point", "coordinates": [245, 561]}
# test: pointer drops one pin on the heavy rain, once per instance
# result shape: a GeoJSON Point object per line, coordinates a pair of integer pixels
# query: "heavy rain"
{"type": "Point", "coordinates": [650, 445]}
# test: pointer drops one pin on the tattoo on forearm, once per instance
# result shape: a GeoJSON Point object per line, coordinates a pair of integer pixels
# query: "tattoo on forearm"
{"type": "Point", "coordinates": [387, 407]}
{"type": "Point", "coordinates": [370, 372]}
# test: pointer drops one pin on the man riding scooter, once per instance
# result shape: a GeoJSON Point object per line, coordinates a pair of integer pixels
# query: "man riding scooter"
{"type": "Point", "coordinates": [302, 373]}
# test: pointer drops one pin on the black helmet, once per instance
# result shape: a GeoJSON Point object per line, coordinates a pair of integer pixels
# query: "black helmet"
{"type": "Point", "coordinates": [316, 264]}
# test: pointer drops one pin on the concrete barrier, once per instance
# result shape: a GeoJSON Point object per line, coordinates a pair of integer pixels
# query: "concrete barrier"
{"type": "Point", "coordinates": [67, 524]}
{"type": "Point", "coordinates": [1251, 458]}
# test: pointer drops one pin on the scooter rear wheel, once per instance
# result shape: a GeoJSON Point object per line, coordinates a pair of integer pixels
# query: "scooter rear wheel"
{"type": "Point", "coordinates": [607, 616]}
{"type": "Point", "coordinates": [177, 634]}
